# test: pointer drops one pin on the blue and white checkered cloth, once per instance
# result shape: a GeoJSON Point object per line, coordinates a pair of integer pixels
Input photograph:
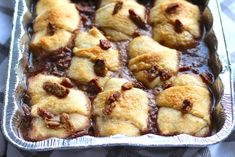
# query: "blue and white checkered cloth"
{"type": "Point", "coordinates": [225, 148]}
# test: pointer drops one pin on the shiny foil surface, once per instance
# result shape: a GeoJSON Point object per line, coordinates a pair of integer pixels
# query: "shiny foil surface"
{"type": "Point", "coordinates": [223, 111]}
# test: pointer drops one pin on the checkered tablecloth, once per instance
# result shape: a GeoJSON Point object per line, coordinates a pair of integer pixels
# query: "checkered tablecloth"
{"type": "Point", "coordinates": [223, 149]}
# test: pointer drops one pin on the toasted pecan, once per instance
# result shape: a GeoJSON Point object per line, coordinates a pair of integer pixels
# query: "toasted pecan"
{"type": "Point", "coordinates": [110, 103]}
{"type": "Point", "coordinates": [117, 7]}
{"type": "Point", "coordinates": [55, 89]}
{"type": "Point", "coordinates": [171, 8]}
{"type": "Point", "coordinates": [100, 68]}
{"type": "Point", "coordinates": [186, 106]}
{"type": "Point", "coordinates": [105, 44]}
{"type": "Point", "coordinates": [127, 86]}
{"type": "Point", "coordinates": [137, 19]}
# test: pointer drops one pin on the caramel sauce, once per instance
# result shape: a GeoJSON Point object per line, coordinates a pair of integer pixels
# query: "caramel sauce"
{"type": "Point", "coordinates": [193, 60]}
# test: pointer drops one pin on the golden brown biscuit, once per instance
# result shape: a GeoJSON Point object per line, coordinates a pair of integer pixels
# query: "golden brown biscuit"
{"type": "Point", "coordinates": [186, 79]}
{"type": "Point", "coordinates": [184, 107]}
{"type": "Point", "coordinates": [144, 44]}
{"type": "Point", "coordinates": [45, 5]}
{"type": "Point", "coordinates": [172, 122]}
{"type": "Point", "coordinates": [44, 43]}
{"type": "Point", "coordinates": [119, 26]}
{"type": "Point", "coordinates": [35, 86]}
{"type": "Point", "coordinates": [114, 84]}
{"type": "Point", "coordinates": [40, 131]}
{"type": "Point", "coordinates": [82, 71]}
{"type": "Point", "coordinates": [41, 98]}
{"type": "Point", "coordinates": [61, 17]}
{"type": "Point", "coordinates": [54, 26]}
{"type": "Point", "coordinates": [52, 101]}
{"type": "Point", "coordinates": [88, 39]}
{"type": "Point", "coordinates": [150, 62]}
{"type": "Point", "coordinates": [193, 99]}
{"type": "Point", "coordinates": [115, 110]}
{"type": "Point", "coordinates": [110, 56]}
{"type": "Point", "coordinates": [108, 127]}
{"type": "Point", "coordinates": [176, 23]}
{"type": "Point", "coordinates": [90, 60]}
{"type": "Point", "coordinates": [105, 2]}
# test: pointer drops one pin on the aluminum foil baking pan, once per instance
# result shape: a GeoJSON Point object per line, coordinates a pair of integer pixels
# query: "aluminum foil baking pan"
{"type": "Point", "coordinates": [223, 112]}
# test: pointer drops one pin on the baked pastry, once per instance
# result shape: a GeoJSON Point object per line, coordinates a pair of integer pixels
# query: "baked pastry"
{"type": "Point", "coordinates": [105, 2]}
{"type": "Point", "coordinates": [45, 5]}
{"type": "Point", "coordinates": [94, 58]}
{"type": "Point", "coordinates": [176, 23]}
{"type": "Point", "coordinates": [97, 49]}
{"type": "Point", "coordinates": [172, 122]}
{"type": "Point", "coordinates": [58, 109]}
{"type": "Point", "coordinates": [150, 62]}
{"type": "Point", "coordinates": [120, 19]}
{"type": "Point", "coordinates": [117, 107]}
{"type": "Point", "coordinates": [184, 108]}
{"type": "Point", "coordinates": [184, 80]}
{"type": "Point", "coordinates": [54, 26]}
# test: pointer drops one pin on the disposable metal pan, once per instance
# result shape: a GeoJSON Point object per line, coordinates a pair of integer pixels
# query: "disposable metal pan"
{"type": "Point", "coordinates": [223, 111]}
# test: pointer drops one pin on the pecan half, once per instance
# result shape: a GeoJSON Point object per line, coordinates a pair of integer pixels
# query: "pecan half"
{"type": "Point", "coordinates": [67, 83]}
{"type": "Point", "coordinates": [59, 62]}
{"type": "Point", "coordinates": [184, 68]}
{"type": "Point", "coordinates": [137, 84]}
{"type": "Point", "coordinates": [51, 29]}
{"type": "Point", "coordinates": [27, 112]}
{"type": "Point", "coordinates": [165, 75]}
{"type": "Point", "coordinates": [108, 109]}
{"type": "Point", "coordinates": [84, 18]}
{"type": "Point", "coordinates": [195, 71]}
{"type": "Point", "coordinates": [186, 106]}
{"type": "Point", "coordinates": [64, 119]}
{"type": "Point", "coordinates": [52, 124]}
{"type": "Point", "coordinates": [167, 85]}
{"type": "Point", "coordinates": [206, 78]}
{"type": "Point", "coordinates": [136, 33]}
{"type": "Point", "coordinates": [105, 44]}
{"type": "Point", "coordinates": [45, 114]}
{"type": "Point", "coordinates": [178, 26]}
{"type": "Point", "coordinates": [171, 8]}
{"type": "Point", "coordinates": [56, 57]}
{"type": "Point", "coordinates": [137, 19]}
{"type": "Point", "coordinates": [55, 89]}
{"type": "Point", "coordinates": [152, 73]}
{"type": "Point", "coordinates": [114, 97]}
{"type": "Point", "coordinates": [27, 98]}
{"type": "Point", "coordinates": [117, 7]}
{"type": "Point", "coordinates": [110, 103]}
{"type": "Point", "coordinates": [100, 68]}
{"type": "Point", "coordinates": [94, 87]}
{"type": "Point", "coordinates": [127, 86]}
{"type": "Point", "coordinates": [155, 71]}
{"type": "Point", "coordinates": [64, 63]}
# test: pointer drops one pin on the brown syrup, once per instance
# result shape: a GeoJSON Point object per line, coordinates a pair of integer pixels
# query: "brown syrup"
{"type": "Point", "coordinates": [193, 60]}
